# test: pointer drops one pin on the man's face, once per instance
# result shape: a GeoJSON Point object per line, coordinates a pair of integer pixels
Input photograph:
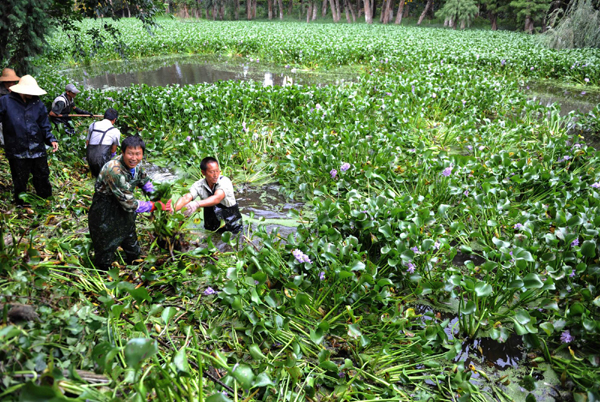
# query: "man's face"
{"type": "Point", "coordinates": [71, 95]}
{"type": "Point", "coordinates": [132, 156]}
{"type": "Point", "coordinates": [8, 84]}
{"type": "Point", "coordinates": [212, 173]}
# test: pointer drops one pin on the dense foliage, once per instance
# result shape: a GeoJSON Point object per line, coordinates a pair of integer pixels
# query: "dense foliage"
{"type": "Point", "coordinates": [433, 158]}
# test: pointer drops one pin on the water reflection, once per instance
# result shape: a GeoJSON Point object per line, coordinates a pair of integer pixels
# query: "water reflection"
{"type": "Point", "coordinates": [569, 99]}
{"type": "Point", "coordinates": [195, 70]}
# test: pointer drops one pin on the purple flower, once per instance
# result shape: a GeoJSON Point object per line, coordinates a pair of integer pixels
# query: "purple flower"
{"type": "Point", "coordinates": [345, 166]}
{"type": "Point", "coordinates": [518, 226]}
{"type": "Point", "coordinates": [322, 275]}
{"type": "Point", "coordinates": [333, 173]}
{"type": "Point", "coordinates": [464, 102]}
{"type": "Point", "coordinates": [188, 138]}
{"type": "Point", "coordinates": [415, 249]}
{"type": "Point", "coordinates": [437, 245]}
{"type": "Point", "coordinates": [531, 68]}
{"type": "Point", "coordinates": [412, 150]}
{"type": "Point", "coordinates": [88, 98]}
{"type": "Point", "coordinates": [466, 193]}
{"type": "Point", "coordinates": [586, 79]}
{"type": "Point", "coordinates": [481, 147]}
{"type": "Point", "coordinates": [503, 62]}
{"type": "Point", "coordinates": [287, 66]}
{"type": "Point", "coordinates": [596, 185]}
{"type": "Point", "coordinates": [583, 92]}
{"type": "Point", "coordinates": [575, 243]}
{"type": "Point", "coordinates": [572, 274]}
{"type": "Point", "coordinates": [318, 106]}
{"type": "Point", "coordinates": [388, 94]}
{"type": "Point", "coordinates": [110, 99]}
{"type": "Point", "coordinates": [447, 172]}
{"type": "Point", "coordinates": [244, 127]}
{"type": "Point", "coordinates": [410, 267]}
{"type": "Point", "coordinates": [301, 257]}
{"type": "Point", "coordinates": [413, 89]}
{"type": "Point", "coordinates": [209, 291]}
{"type": "Point", "coordinates": [341, 374]}
{"type": "Point", "coordinates": [470, 147]}
{"type": "Point", "coordinates": [566, 337]}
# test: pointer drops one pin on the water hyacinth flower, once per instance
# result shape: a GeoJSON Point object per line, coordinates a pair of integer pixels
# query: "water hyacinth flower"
{"type": "Point", "coordinates": [333, 173]}
{"type": "Point", "coordinates": [583, 92]}
{"type": "Point", "coordinates": [503, 62]}
{"type": "Point", "coordinates": [437, 245]}
{"type": "Point", "coordinates": [287, 66]}
{"type": "Point", "coordinates": [466, 193]}
{"type": "Point", "coordinates": [244, 128]}
{"type": "Point", "coordinates": [464, 102]}
{"type": "Point", "coordinates": [345, 166]}
{"type": "Point", "coordinates": [209, 291]}
{"type": "Point", "coordinates": [447, 172]}
{"type": "Point", "coordinates": [481, 147]}
{"type": "Point", "coordinates": [586, 79]}
{"type": "Point", "coordinates": [188, 138]}
{"type": "Point", "coordinates": [410, 267]}
{"type": "Point", "coordinates": [322, 275]}
{"type": "Point", "coordinates": [110, 99]}
{"type": "Point", "coordinates": [433, 95]}
{"type": "Point", "coordinates": [470, 147]}
{"type": "Point", "coordinates": [318, 106]}
{"type": "Point", "coordinates": [575, 243]}
{"type": "Point", "coordinates": [518, 226]}
{"type": "Point", "coordinates": [566, 337]}
{"type": "Point", "coordinates": [572, 274]}
{"type": "Point", "coordinates": [531, 68]}
{"type": "Point", "coordinates": [301, 257]}
{"type": "Point", "coordinates": [413, 89]}
{"type": "Point", "coordinates": [596, 185]}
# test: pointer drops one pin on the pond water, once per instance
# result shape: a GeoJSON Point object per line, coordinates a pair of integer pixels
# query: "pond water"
{"type": "Point", "coordinates": [568, 98]}
{"type": "Point", "coordinates": [197, 69]}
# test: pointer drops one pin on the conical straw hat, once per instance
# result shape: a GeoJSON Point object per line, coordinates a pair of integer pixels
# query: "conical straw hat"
{"type": "Point", "coordinates": [28, 86]}
{"type": "Point", "coordinates": [8, 74]}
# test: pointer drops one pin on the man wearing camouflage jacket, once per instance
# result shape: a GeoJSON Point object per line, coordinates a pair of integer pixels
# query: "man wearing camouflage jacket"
{"type": "Point", "coordinates": [111, 219]}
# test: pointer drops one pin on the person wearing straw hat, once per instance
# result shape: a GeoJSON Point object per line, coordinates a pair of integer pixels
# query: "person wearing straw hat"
{"type": "Point", "coordinates": [27, 131]}
{"type": "Point", "coordinates": [63, 105]}
{"type": "Point", "coordinates": [7, 80]}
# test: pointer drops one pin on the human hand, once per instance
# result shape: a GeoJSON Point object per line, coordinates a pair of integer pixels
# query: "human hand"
{"type": "Point", "coordinates": [54, 146]}
{"type": "Point", "coordinates": [165, 207]}
{"type": "Point", "coordinates": [190, 208]}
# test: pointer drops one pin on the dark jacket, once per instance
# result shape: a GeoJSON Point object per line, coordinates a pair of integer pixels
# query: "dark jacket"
{"type": "Point", "coordinates": [27, 129]}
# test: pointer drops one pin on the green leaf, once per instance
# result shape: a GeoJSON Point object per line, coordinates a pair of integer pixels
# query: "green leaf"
{"type": "Point", "coordinates": [32, 393]}
{"type": "Point", "coordinates": [387, 230]}
{"type": "Point", "coordinates": [588, 248]}
{"type": "Point", "coordinates": [483, 289]}
{"type": "Point", "coordinates": [547, 327]}
{"type": "Point", "coordinates": [532, 281]}
{"type": "Point", "coordinates": [469, 308]}
{"type": "Point", "coordinates": [139, 349]}
{"type": "Point", "coordinates": [256, 353]}
{"type": "Point", "coordinates": [218, 397]}
{"type": "Point", "coordinates": [354, 331]}
{"type": "Point", "coordinates": [244, 375]}
{"type": "Point", "coordinates": [357, 266]}
{"type": "Point", "coordinates": [302, 300]}
{"type": "Point", "coordinates": [262, 380]}
{"type": "Point", "coordinates": [181, 362]}
{"type": "Point", "coordinates": [167, 314]}
{"type": "Point", "coordinates": [139, 294]}
{"type": "Point", "coordinates": [523, 317]}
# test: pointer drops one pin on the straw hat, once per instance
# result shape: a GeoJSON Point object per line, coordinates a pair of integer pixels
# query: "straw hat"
{"type": "Point", "coordinates": [28, 86]}
{"type": "Point", "coordinates": [8, 74]}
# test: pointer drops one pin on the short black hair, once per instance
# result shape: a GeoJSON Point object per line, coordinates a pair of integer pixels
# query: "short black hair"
{"type": "Point", "coordinates": [111, 114]}
{"type": "Point", "coordinates": [133, 141]}
{"type": "Point", "coordinates": [206, 161]}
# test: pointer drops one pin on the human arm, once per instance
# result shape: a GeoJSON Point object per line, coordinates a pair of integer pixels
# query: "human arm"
{"type": "Point", "coordinates": [192, 206]}
{"type": "Point", "coordinates": [46, 128]}
{"type": "Point", "coordinates": [81, 111]}
{"type": "Point", "coordinates": [57, 109]}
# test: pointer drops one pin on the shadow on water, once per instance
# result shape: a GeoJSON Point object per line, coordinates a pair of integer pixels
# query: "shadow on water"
{"type": "Point", "coordinates": [184, 70]}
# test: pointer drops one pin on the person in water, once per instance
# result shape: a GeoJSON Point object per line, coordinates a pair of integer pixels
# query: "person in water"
{"type": "Point", "coordinates": [215, 193]}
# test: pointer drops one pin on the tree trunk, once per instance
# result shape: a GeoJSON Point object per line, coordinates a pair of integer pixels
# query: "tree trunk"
{"type": "Point", "coordinates": [528, 24]}
{"type": "Point", "coordinates": [399, 13]}
{"type": "Point", "coordinates": [236, 9]}
{"type": "Point", "coordinates": [280, 2]}
{"type": "Point", "coordinates": [388, 14]}
{"type": "Point", "coordinates": [424, 13]}
{"type": "Point", "coordinates": [368, 14]}
{"type": "Point", "coordinates": [315, 9]}
{"type": "Point", "coordinates": [494, 20]}
{"type": "Point", "coordinates": [309, 11]}
{"type": "Point", "coordinates": [290, 7]}
{"type": "Point", "coordinates": [215, 11]}
{"type": "Point", "coordinates": [270, 9]}
{"type": "Point", "coordinates": [334, 13]}
{"type": "Point", "coordinates": [254, 9]}
{"type": "Point", "coordinates": [301, 9]}
{"type": "Point", "coordinates": [373, 9]}
{"type": "Point", "coordinates": [352, 11]}
{"type": "Point", "coordinates": [347, 12]}
{"type": "Point", "coordinates": [406, 10]}
{"type": "Point", "coordinates": [463, 24]}
{"type": "Point", "coordinates": [248, 10]}
{"type": "Point", "coordinates": [383, 7]}
{"type": "Point", "coordinates": [338, 9]}
{"type": "Point", "coordinates": [324, 8]}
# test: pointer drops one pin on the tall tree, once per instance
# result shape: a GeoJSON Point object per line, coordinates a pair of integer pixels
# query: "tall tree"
{"type": "Point", "coordinates": [530, 12]}
{"type": "Point", "coordinates": [493, 8]}
{"type": "Point", "coordinates": [368, 14]}
{"type": "Point", "coordinates": [400, 12]}
{"type": "Point", "coordinates": [25, 24]}
{"type": "Point", "coordinates": [456, 11]}
{"type": "Point", "coordinates": [428, 6]}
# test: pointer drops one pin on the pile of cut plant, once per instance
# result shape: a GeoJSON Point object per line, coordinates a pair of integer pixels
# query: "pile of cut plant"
{"type": "Point", "coordinates": [442, 209]}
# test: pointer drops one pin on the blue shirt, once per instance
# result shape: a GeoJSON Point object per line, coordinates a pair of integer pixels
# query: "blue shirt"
{"type": "Point", "coordinates": [26, 127]}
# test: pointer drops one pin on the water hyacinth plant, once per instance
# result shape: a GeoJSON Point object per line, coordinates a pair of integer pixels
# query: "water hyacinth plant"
{"type": "Point", "coordinates": [442, 208]}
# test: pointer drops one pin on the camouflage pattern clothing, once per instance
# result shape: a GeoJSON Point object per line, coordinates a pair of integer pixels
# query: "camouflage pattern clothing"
{"type": "Point", "coordinates": [111, 219]}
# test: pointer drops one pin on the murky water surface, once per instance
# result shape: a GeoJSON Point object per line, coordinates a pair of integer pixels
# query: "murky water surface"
{"type": "Point", "coordinates": [196, 69]}
{"type": "Point", "coordinates": [568, 98]}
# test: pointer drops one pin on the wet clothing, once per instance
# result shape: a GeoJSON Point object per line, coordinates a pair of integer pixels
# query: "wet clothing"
{"type": "Point", "coordinates": [226, 210]}
{"type": "Point", "coordinates": [111, 219]}
{"type": "Point", "coordinates": [27, 131]}
{"type": "Point", "coordinates": [102, 135]}
{"type": "Point", "coordinates": [63, 106]}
